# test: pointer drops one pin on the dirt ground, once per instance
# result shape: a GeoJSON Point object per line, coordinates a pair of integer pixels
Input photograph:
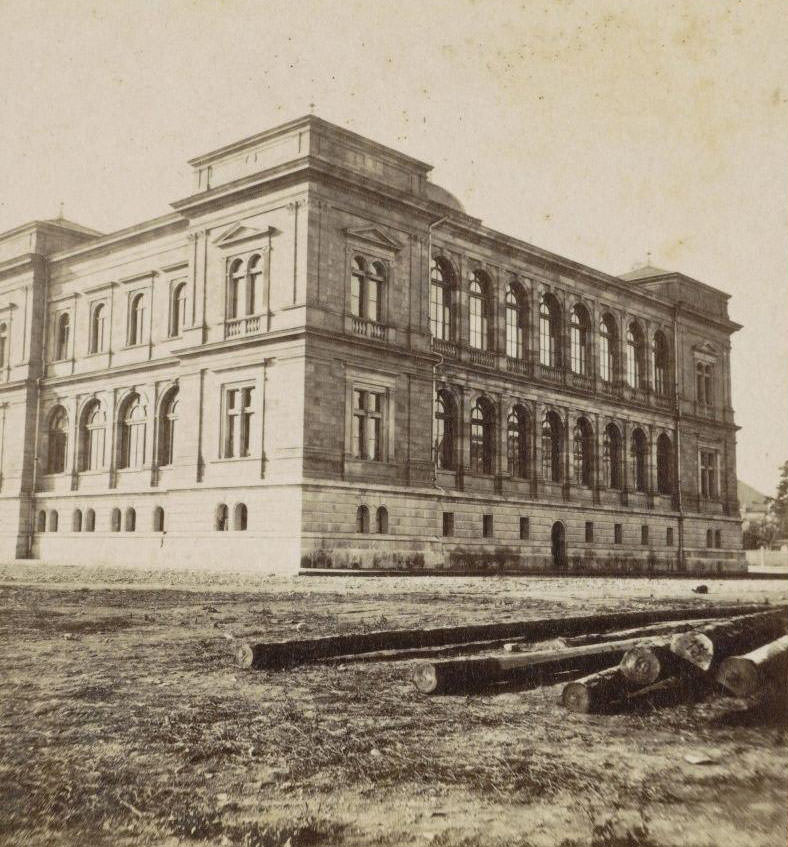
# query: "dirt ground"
{"type": "Point", "coordinates": [123, 721]}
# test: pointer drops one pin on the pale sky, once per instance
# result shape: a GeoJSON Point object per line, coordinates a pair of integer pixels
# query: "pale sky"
{"type": "Point", "coordinates": [600, 130]}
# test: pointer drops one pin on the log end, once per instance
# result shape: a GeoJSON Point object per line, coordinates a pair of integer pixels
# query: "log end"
{"type": "Point", "coordinates": [575, 698]}
{"type": "Point", "coordinates": [640, 666]}
{"type": "Point", "coordinates": [695, 648]}
{"type": "Point", "coordinates": [739, 675]}
{"type": "Point", "coordinates": [425, 678]}
{"type": "Point", "coordinates": [244, 656]}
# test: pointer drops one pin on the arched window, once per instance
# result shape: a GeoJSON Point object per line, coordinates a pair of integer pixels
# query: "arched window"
{"type": "Point", "coordinates": [41, 522]}
{"type": "Point", "coordinates": [549, 332]}
{"type": "Point", "coordinates": [178, 309]}
{"type": "Point", "coordinates": [635, 364]}
{"type": "Point", "coordinates": [167, 420]}
{"type": "Point", "coordinates": [137, 320]}
{"type": "Point", "coordinates": [664, 465]}
{"type": "Point", "coordinates": [254, 285]}
{"type": "Point", "coordinates": [579, 334]}
{"type": "Point", "coordinates": [709, 538]}
{"type": "Point", "coordinates": [441, 300]}
{"type": "Point", "coordinates": [718, 538]}
{"type": "Point", "coordinates": [3, 345]}
{"type": "Point", "coordinates": [76, 521]}
{"type": "Point", "coordinates": [158, 519]}
{"type": "Point", "coordinates": [90, 521]}
{"type": "Point", "coordinates": [382, 520]}
{"type": "Point", "coordinates": [479, 311]}
{"type": "Point", "coordinates": [703, 383]}
{"type": "Point", "coordinates": [114, 521]}
{"type": "Point", "coordinates": [362, 519]}
{"type": "Point", "coordinates": [236, 289]}
{"type": "Point", "coordinates": [98, 322]}
{"type": "Point", "coordinates": [482, 437]}
{"type": "Point", "coordinates": [92, 436]}
{"type": "Point", "coordinates": [58, 439]}
{"type": "Point", "coordinates": [660, 354]}
{"type": "Point", "coordinates": [517, 459]}
{"type": "Point", "coordinates": [445, 430]}
{"type": "Point", "coordinates": [516, 321]}
{"type": "Point", "coordinates": [53, 520]}
{"type": "Point", "coordinates": [639, 450]}
{"type": "Point", "coordinates": [551, 447]}
{"type": "Point", "coordinates": [132, 433]}
{"type": "Point", "coordinates": [240, 517]}
{"type": "Point", "coordinates": [608, 348]}
{"type": "Point", "coordinates": [131, 520]}
{"type": "Point", "coordinates": [221, 520]}
{"type": "Point", "coordinates": [62, 336]}
{"type": "Point", "coordinates": [611, 457]}
{"type": "Point", "coordinates": [366, 289]}
{"type": "Point", "coordinates": [583, 452]}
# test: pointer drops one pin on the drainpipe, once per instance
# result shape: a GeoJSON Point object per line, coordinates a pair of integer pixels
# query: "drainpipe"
{"type": "Point", "coordinates": [677, 420]}
{"type": "Point", "coordinates": [435, 365]}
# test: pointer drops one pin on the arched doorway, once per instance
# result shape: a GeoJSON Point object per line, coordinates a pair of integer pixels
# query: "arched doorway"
{"type": "Point", "coordinates": [558, 545]}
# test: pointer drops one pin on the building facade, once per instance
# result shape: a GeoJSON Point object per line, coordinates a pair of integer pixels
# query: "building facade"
{"type": "Point", "coordinates": [318, 359]}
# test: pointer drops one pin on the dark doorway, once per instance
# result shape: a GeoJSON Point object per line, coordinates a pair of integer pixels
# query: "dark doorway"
{"type": "Point", "coordinates": [558, 539]}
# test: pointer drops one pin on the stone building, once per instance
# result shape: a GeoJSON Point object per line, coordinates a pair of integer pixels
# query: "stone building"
{"type": "Point", "coordinates": [319, 359]}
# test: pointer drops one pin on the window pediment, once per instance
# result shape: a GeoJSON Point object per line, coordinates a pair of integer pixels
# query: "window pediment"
{"type": "Point", "coordinates": [705, 352]}
{"type": "Point", "coordinates": [375, 236]}
{"type": "Point", "coordinates": [240, 232]}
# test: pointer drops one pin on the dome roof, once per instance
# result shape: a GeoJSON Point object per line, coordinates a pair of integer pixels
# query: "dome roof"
{"type": "Point", "coordinates": [441, 195]}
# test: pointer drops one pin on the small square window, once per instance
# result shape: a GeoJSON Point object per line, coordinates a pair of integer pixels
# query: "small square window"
{"type": "Point", "coordinates": [669, 536]}
{"type": "Point", "coordinates": [589, 531]}
{"type": "Point", "coordinates": [448, 523]}
{"type": "Point", "coordinates": [644, 534]}
{"type": "Point", "coordinates": [525, 529]}
{"type": "Point", "coordinates": [487, 526]}
{"type": "Point", "coordinates": [618, 533]}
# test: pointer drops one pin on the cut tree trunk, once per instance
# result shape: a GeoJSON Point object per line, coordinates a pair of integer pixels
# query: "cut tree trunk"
{"type": "Point", "coordinates": [670, 628]}
{"type": "Point", "coordinates": [749, 674]}
{"type": "Point", "coordinates": [706, 646]}
{"type": "Point", "coordinates": [279, 654]}
{"type": "Point", "coordinates": [644, 664]}
{"type": "Point", "coordinates": [609, 689]}
{"type": "Point", "coordinates": [454, 675]}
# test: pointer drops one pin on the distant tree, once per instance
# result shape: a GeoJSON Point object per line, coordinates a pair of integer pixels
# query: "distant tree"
{"type": "Point", "coordinates": [759, 533]}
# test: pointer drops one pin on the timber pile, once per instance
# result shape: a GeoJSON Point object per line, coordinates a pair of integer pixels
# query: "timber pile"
{"type": "Point", "coordinates": [745, 654]}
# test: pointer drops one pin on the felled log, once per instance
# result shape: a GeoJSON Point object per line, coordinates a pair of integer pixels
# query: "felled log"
{"type": "Point", "coordinates": [749, 674]}
{"type": "Point", "coordinates": [478, 673]}
{"type": "Point", "coordinates": [644, 664]}
{"type": "Point", "coordinates": [280, 654]}
{"type": "Point", "coordinates": [708, 645]}
{"type": "Point", "coordinates": [670, 628]}
{"type": "Point", "coordinates": [609, 689]}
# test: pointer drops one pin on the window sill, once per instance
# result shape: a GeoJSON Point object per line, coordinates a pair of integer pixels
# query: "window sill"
{"type": "Point", "coordinates": [135, 346]}
{"type": "Point", "coordinates": [223, 460]}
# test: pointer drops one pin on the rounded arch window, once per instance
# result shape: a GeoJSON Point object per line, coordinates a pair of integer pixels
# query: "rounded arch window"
{"type": "Point", "coordinates": [114, 521]}
{"type": "Point", "coordinates": [660, 355]}
{"type": "Point", "coordinates": [442, 294]}
{"type": "Point", "coordinates": [579, 335]}
{"type": "Point", "coordinates": [583, 452]}
{"type": "Point", "coordinates": [482, 437]}
{"type": "Point", "coordinates": [131, 520]}
{"type": "Point", "coordinates": [362, 519]}
{"type": "Point", "coordinates": [608, 346]}
{"type": "Point", "coordinates": [167, 427]}
{"type": "Point", "coordinates": [552, 430]}
{"type": "Point", "coordinates": [221, 518]}
{"type": "Point", "coordinates": [635, 370]}
{"type": "Point", "coordinates": [254, 299]}
{"type": "Point", "coordinates": [3, 345]}
{"type": "Point", "coordinates": [639, 450]}
{"type": "Point", "coordinates": [240, 517]}
{"type": "Point", "coordinates": [611, 457]}
{"type": "Point", "coordinates": [664, 464]}
{"type": "Point", "coordinates": [445, 430]}
{"type": "Point", "coordinates": [479, 311]}
{"type": "Point", "coordinates": [516, 320]}
{"type": "Point", "coordinates": [76, 521]}
{"type": "Point", "coordinates": [132, 436]}
{"type": "Point", "coordinates": [549, 332]}
{"type": "Point", "coordinates": [178, 309]}
{"type": "Point", "coordinates": [137, 320]}
{"type": "Point", "coordinates": [236, 289]}
{"type": "Point", "coordinates": [158, 519]}
{"type": "Point", "coordinates": [98, 324]}
{"type": "Point", "coordinates": [63, 336]}
{"type": "Point", "coordinates": [41, 521]}
{"type": "Point", "coordinates": [382, 520]}
{"type": "Point", "coordinates": [53, 520]}
{"type": "Point", "coordinates": [517, 458]}
{"type": "Point", "coordinates": [58, 441]}
{"type": "Point", "coordinates": [92, 437]}
{"type": "Point", "coordinates": [90, 520]}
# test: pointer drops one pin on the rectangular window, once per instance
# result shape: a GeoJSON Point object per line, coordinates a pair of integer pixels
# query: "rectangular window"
{"type": "Point", "coordinates": [618, 534]}
{"type": "Point", "coordinates": [525, 529]}
{"type": "Point", "coordinates": [644, 534]}
{"type": "Point", "coordinates": [589, 531]}
{"type": "Point", "coordinates": [708, 474]}
{"type": "Point", "coordinates": [448, 523]}
{"type": "Point", "coordinates": [487, 526]}
{"type": "Point", "coordinates": [367, 425]}
{"type": "Point", "coordinates": [669, 536]}
{"type": "Point", "coordinates": [238, 413]}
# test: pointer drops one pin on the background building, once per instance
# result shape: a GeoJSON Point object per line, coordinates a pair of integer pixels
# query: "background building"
{"type": "Point", "coordinates": [318, 359]}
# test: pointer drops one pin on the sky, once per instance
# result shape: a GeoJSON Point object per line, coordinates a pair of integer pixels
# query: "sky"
{"type": "Point", "coordinates": [603, 130]}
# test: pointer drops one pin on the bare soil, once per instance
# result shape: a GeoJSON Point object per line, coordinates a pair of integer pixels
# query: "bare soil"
{"type": "Point", "coordinates": [123, 721]}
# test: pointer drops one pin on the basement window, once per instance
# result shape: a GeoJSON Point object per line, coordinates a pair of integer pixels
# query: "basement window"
{"type": "Point", "coordinates": [487, 526]}
{"type": "Point", "coordinates": [589, 531]}
{"type": "Point", "coordinates": [448, 523]}
{"type": "Point", "coordinates": [525, 529]}
{"type": "Point", "coordinates": [644, 534]}
{"type": "Point", "coordinates": [618, 533]}
{"type": "Point", "coordinates": [669, 536]}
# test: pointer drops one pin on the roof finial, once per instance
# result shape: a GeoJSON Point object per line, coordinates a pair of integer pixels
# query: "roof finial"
{"type": "Point", "coordinates": [648, 258]}
{"type": "Point", "coordinates": [311, 108]}
{"type": "Point", "coordinates": [60, 213]}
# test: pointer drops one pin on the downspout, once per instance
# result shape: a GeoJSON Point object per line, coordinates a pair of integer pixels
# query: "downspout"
{"type": "Point", "coordinates": [677, 419]}
{"type": "Point", "coordinates": [435, 365]}
{"type": "Point", "coordinates": [39, 379]}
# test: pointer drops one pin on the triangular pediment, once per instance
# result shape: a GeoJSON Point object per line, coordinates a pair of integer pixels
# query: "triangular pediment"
{"type": "Point", "coordinates": [242, 232]}
{"type": "Point", "coordinates": [705, 350]}
{"type": "Point", "coordinates": [375, 236]}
